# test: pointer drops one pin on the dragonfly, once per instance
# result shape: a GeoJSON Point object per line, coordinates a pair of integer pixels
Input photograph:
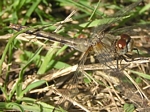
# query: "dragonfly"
{"type": "Point", "coordinates": [102, 44]}
{"type": "Point", "coordinates": [105, 46]}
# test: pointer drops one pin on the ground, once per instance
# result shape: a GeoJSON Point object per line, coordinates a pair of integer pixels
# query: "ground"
{"type": "Point", "coordinates": [38, 73]}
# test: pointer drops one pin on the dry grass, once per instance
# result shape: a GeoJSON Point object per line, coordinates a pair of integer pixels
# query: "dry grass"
{"type": "Point", "coordinates": [40, 74]}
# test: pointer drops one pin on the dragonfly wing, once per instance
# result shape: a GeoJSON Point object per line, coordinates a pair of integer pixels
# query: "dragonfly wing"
{"type": "Point", "coordinates": [125, 87]}
{"type": "Point", "coordinates": [132, 30]}
{"type": "Point", "coordinates": [116, 17]}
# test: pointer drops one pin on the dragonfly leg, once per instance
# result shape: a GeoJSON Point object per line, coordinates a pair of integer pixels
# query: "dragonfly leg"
{"type": "Point", "coordinates": [136, 50]}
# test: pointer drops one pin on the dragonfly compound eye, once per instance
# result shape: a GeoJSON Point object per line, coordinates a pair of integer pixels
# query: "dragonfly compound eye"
{"type": "Point", "coordinates": [123, 45]}
{"type": "Point", "coordinates": [125, 37]}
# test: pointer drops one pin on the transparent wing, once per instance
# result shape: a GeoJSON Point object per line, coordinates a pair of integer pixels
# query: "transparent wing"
{"type": "Point", "coordinates": [104, 47]}
{"type": "Point", "coordinates": [118, 16]}
{"type": "Point", "coordinates": [132, 30]}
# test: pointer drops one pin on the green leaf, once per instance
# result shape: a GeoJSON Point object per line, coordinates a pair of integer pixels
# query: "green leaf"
{"type": "Point", "coordinates": [32, 86]}
{"type": "Point", "coordinates": [146, 76]}
{"type": "Point", "coordinates": [128, 107]}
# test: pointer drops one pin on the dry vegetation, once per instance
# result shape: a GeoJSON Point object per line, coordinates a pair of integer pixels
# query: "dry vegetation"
{"type": "Point", "coordinates": [41, 75]}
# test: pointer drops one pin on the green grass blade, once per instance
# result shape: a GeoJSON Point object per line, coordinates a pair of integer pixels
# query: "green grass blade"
{"type": "Point", "coordinates": [31, 10]}
{"type": "Point", "coordinates": [146, 76]}
{"type": "Point", "coordinates": [31, 86]}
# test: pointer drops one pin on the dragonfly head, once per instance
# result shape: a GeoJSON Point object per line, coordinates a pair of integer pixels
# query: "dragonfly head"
{"type": "Point", "coordinates": [124, 44]}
